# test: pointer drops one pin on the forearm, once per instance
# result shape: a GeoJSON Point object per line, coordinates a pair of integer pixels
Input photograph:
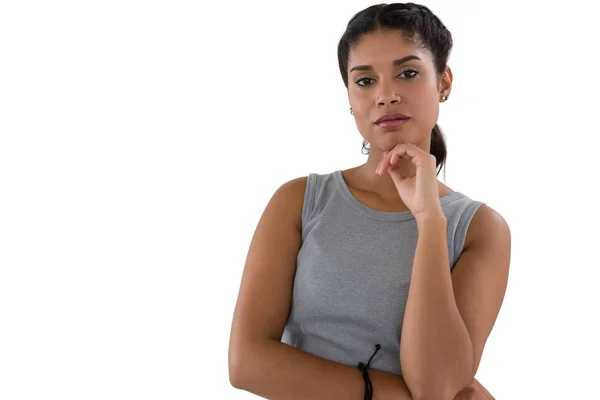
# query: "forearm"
{"type": "Point", "coordinates": [275, 370]}
{"type": "Point", "coordinates": [435, 349]}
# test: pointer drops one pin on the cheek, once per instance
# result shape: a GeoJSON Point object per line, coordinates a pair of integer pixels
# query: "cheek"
{"type": "Point", "coordinates": [364, 126]}
{"type": "Point", "coordinates": [429, 106]}
{"type": "Point", "coordinates": [359, 100]}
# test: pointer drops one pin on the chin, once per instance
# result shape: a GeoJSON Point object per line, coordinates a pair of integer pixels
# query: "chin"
{"type": "Point", "coordinates": [397, 136]}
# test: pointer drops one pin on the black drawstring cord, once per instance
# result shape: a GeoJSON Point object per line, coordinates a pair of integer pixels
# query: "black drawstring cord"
{"type": "Point", "coordinates": [365, 373]}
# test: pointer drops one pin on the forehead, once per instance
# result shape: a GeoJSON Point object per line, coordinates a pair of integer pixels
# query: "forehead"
{"type": "Point", "coordinates": [382, 47]}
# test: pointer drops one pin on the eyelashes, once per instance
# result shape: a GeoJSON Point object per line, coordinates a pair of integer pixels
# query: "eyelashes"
{"type": "Point", "coordinates": [414, 73]}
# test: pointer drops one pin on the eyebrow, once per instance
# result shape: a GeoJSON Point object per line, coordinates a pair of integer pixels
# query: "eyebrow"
{"type": "Point", "coordinates": [395, 62]}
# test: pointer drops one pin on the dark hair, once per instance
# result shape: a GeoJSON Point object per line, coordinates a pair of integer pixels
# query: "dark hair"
{"type": "Point", "coordinates": [417, 24]}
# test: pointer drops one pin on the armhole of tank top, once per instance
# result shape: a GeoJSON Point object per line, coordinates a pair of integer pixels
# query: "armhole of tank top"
{"type": "Point", "coordinates": [309, 197]}
{"type": "Point", "coordinates": [462, 227]}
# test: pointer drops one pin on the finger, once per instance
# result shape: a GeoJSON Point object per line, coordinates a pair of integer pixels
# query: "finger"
{"type": "Point", "coordinates": [381, 167]}
{"type": "Point", "coordinates": [396, 157]}
{"type": "Point", "coordinates": [416, 155]}
{"type": "Point", "coordinates": [401, 153]}
{"type": "Point", "coordinates": [386, 156]}
{"type": "Point", "coordinates": [378, 167]}
{"type": "Point", "coordinates": [385, 161]}
{"type": "Point", "coordinates": [483, 390]}
{"type": "Point", "coordinates": [397, 175]}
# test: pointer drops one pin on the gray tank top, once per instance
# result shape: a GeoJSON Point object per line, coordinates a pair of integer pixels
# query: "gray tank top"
{"type": "Point", "coordinates": [353, 273]}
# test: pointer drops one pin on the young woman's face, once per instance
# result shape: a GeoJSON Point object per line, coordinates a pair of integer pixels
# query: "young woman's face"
{"type": "Point", "coordinates": [379, 84]}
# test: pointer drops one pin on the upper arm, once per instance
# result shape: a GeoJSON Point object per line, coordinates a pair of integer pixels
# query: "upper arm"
{"type": "Point", "coordinates": [264, 298]}
{"type": "Point", "coordinates": [480, 276]}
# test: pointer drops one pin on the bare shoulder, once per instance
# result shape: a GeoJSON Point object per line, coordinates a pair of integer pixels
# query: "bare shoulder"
{"type": "Point", "coordinates": [265, 292]}
{"type": "Point", "coordinates": [291, 194]}
{"type": "Point", "coordinates": [487, 224]}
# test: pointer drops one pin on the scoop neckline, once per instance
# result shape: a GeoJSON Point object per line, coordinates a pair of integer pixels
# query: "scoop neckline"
{"type": "Point", "coordinates": [367, 211]}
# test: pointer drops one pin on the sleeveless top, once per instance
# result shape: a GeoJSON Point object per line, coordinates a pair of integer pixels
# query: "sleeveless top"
{"type": "Point", "coordinates": [353, 273]}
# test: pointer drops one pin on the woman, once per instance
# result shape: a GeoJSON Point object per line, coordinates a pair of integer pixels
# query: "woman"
{"type": "Point", "coordinates": [377, 281]}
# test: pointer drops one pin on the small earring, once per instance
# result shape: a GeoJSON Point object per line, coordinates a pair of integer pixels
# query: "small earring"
{"type": "Point", "coordinates": [351, 112]}
{"type": "Point", "coordinates": [445, 97]}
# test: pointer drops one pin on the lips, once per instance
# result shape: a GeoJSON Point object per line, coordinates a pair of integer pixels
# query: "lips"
{"type": "Point", "coordinates": [391, 117]}
{"type": "Point", "coordinates": [392, 123]}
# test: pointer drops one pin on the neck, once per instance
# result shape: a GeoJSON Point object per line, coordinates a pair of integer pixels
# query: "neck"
{"type": "Point", "coordinates": [384, 186]}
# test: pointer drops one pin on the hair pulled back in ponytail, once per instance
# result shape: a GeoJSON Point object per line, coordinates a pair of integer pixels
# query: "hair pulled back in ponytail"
{"type": "Point", "coordinates": [419, 25]}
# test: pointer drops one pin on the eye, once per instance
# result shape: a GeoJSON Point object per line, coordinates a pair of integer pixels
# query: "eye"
{"type": "Point", "coordinates": [362, 80]}
{"type": "Point", "coordinates": [408, 74]}
{"type": "Point", "coordinates": [412, 71]}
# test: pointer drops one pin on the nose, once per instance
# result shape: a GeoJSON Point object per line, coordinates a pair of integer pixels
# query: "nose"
{"type": "Point", "coordinates": [387, 95]}
{"type": "Point", "coordinates": [393, 101]}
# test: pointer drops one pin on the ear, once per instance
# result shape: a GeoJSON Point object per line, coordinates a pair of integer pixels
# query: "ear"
{"type": "Point", "coordinates": [446, 81]}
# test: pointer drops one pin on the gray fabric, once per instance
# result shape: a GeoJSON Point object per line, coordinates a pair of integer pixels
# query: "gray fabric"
{"type": "Point", "coordinates": [353, 273]}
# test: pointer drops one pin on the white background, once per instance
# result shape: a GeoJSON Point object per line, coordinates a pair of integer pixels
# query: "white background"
{"type": "Point", "coordinates": [141, 141]}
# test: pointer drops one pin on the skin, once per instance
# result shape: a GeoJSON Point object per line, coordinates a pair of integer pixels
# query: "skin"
{"type": "Point", "coordinates": [258, 361]}
{"type": "Point", "coordinates": [412, 88]}
{"type": "Point", "coordinates": [389, 89]}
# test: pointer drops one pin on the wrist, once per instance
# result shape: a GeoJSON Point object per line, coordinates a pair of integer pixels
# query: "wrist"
{"type": "Point", "coordinates": [388, 386]}
{"type": "Point", "coordinates": [435, 219]}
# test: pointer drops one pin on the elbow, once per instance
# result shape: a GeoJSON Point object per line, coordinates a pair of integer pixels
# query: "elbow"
{"type": "Point", "coordinates": [427, 388]}
{"type": "Point", "coordinates": [440, 389]}
{"type": "Point", "coordinates": [431, 393]}
{"type": "Point", "coordinates": [433, 396]}
{"type": "Point", "coordinates": [243, 363]}
{"type": "Point", "coordinates": [235, 375]}
{"type": "Point", "coordinates": [237, 370]}
{"type": "Point", "coordinates": [446, 389]}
